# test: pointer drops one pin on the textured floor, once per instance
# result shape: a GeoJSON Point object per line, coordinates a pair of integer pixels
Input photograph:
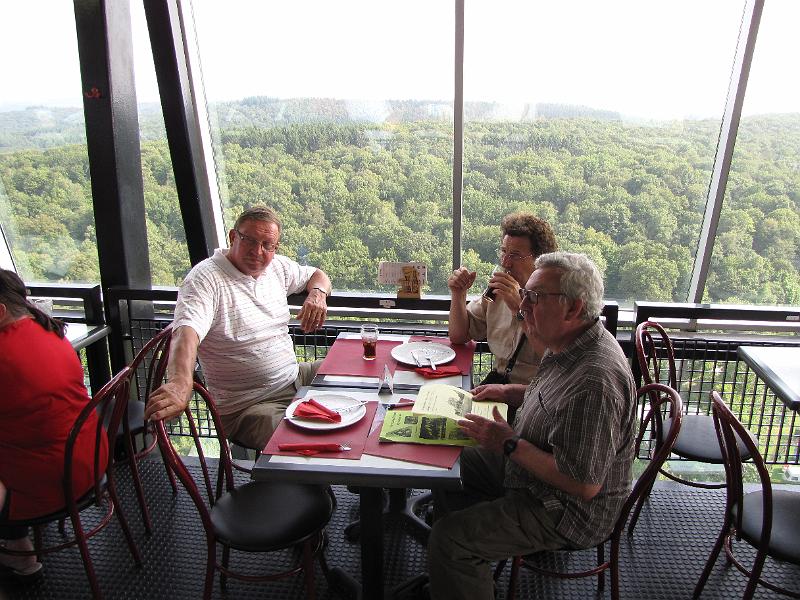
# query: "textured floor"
{"type": "Point", "coordinates": [662, 561]}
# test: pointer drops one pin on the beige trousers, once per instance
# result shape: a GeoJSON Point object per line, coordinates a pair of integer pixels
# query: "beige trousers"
{"type": "Point", "coordinates": [253, 426]}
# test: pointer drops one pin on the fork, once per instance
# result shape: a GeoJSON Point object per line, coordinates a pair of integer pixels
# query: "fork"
{"type": "Point", "coordinates": [348, 409]}
{"type": "Point", "coordinates": [430, 360]}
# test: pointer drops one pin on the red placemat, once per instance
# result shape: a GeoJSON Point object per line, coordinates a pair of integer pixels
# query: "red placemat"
{"type": "Point", "coordinates": [344, 358]}
{"type": "Point", "coordinates": [464, 352]}
{"type": "Point", "coordinates": [426, 454]}
{"type": "Point", "coordinates": [355, 436]}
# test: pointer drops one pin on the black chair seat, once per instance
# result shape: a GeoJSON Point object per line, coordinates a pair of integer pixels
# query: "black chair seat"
{"type": "Point", "coordinates": [266, 516]}
{"type": "Point", "coordinates": [784, 541]}
{"type": "Point", "coordinates": [135, 418]}
{"type": "Point", "coordinates": [697, 440]}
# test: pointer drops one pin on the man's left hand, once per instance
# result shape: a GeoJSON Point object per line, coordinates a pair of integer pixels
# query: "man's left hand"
{"type": "Point", "coordinates": [489, 434]}
{"type": "Point", "coordinates": [314, 310]}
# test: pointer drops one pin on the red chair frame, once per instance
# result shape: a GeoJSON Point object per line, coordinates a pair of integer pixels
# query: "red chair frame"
{"type": "Point", "coordinates": [651, 369]}
{"type": "Point", "coordinates": [731, 435]}
{"type": "Point", "coordinates": [111, 397]}
{"type": "Point", "coordinates": [157, 349]}
{"type": "Point", "coordinates": [312, 545]}
{"type": "Point", "coordinates": [661, 397]}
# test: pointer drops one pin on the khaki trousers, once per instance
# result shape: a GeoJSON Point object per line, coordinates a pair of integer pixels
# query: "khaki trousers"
{"type": "Point", "coordinates": [253, 426]}
{"type": "Point", "coordinates": [464, 542]}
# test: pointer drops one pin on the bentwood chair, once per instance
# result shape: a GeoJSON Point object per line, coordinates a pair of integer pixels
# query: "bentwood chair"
{"type": "Point", "coordinates": [697, 440]}
{"type": "Point", "coordinates": [662, 398]}
{"type": "Point", "coordinates": [254, 517]}
{"type": "Point", "coordinates": [147, 371]}
{"type": "Point", "coordinates": [110, 402]}
{"type": "Point", "coordinates": [766, 519]}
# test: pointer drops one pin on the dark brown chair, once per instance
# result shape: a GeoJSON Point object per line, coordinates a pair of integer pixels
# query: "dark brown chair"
{"type": "Point", "coordinates": [148, 370]}
{"type": "Point", "coordinates": [254, 517]}
{"type": "Point", "coordinates": [697, 440]}
{"type": "Point", "coordinates": [111, 402]}
{"type": "Point", "coordinates": [662, 398]}
{"type": "Point", "coordinates": [766, 519]}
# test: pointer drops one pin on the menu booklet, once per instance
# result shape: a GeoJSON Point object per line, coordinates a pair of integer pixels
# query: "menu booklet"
{"type": "Point", "coordinates": [433, 418]}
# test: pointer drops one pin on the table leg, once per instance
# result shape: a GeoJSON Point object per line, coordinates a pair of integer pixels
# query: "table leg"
{"type": "Point", "coordinates": [371, 512]}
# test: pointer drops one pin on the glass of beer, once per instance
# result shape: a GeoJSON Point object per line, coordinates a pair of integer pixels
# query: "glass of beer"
{"type": "Point", "coordinates": [369, 339]}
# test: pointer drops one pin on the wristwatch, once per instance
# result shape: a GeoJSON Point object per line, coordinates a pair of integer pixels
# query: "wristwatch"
{"type": "Point", "coordinates": [510, 445]}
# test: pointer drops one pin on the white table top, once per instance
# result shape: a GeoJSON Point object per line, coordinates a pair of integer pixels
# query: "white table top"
{"type": "Point", "coordinates": [779, 367]}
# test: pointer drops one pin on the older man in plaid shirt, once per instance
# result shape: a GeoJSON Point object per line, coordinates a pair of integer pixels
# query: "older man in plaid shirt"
{"type": "Point", "coordinates": [558, 478]}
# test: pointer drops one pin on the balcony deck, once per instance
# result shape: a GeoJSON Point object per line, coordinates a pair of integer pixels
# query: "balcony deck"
{"type": "Point", "coordinates": [663, 560]}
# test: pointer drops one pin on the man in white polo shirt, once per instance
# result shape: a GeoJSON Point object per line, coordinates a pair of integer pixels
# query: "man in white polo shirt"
{"type": "Point", "coordinates": [232, 315]}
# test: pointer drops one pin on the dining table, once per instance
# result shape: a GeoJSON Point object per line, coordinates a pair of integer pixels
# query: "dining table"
{"type": "Point", "coordinates": [779, 368]}
{"type": "Point", "coordinates": [370, 465]}
{"type": "Point", "coordinates": [81, 335]}
{"type": "Point", "coordinates": [92, 340]}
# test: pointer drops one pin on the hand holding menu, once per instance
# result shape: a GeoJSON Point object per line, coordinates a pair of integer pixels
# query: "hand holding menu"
{"type": "Point", "coordinates": [453, 403]}
{"type": "Point", "coordinates": [433, 418]}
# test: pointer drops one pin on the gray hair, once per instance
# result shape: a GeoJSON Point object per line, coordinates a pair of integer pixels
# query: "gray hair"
{"type": "Point", "coordinates": [580, 279]}
{"type": "Point", "coordinates": [259, 213]}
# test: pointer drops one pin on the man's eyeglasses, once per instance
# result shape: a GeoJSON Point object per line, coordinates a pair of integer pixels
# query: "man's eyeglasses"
{"type": "Point", "coordinates": [533, 297]}
{"type": "Point", "coordinates": [512, 256]}
{"type": "Point", "coordinates": [251, 242]}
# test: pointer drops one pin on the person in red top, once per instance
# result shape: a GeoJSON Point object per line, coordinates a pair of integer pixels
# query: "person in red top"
{"type": "Point", "coordinates": [42, 393]}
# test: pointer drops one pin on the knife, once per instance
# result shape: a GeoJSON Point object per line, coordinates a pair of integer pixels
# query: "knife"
{"type": "Point", "coordinates": [415, 356]}
{"type": "Point", "coordinates": [313, 446]}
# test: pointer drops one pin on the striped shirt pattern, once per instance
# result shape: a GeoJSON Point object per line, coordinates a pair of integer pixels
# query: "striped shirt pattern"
{"type": "Point", "coordinates": [582, 409]}
{"type": "Point", "coordinates": [243, 325]}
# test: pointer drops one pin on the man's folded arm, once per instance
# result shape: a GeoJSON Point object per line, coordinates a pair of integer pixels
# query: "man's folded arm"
{"type": "Point", "coordinates": [542, 465]}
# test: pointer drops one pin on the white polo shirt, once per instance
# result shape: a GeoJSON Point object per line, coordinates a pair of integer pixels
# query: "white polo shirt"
{"type": "Point", "coordinates": [243, 325]}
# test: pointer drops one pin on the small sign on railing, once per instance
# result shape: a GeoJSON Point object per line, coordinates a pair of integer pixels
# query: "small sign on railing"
{"type": "Point", "coordinates": [410, 276]}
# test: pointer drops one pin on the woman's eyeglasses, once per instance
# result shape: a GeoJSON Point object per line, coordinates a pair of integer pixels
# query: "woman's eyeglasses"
{"type": "Point", "coordinates": [512, 256]}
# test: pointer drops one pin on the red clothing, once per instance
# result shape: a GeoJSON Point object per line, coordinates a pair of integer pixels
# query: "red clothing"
{"type": "Point", "coordinates": [41, 395]}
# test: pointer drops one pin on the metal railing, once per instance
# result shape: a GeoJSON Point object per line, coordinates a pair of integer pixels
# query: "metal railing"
{"type": "Point", "coordinates": [705, 340]}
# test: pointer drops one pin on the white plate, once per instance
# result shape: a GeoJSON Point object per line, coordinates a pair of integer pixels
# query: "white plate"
{"type": "Point", "coordinates": [334, 402]}
{"type": "Point", "coordinates": [438, 352]}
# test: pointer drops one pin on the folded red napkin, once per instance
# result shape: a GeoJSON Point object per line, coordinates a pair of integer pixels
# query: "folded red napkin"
{"type": "Point", "coordinates": [310, 448]}
{"type": "Point", "coordinates": [442, 371]}
{"type": "Point", "coordinates": [311, 409]}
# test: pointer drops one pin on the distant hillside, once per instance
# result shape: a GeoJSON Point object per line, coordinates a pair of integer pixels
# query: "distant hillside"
{"type": "Point", "coordinates": [40, 127]}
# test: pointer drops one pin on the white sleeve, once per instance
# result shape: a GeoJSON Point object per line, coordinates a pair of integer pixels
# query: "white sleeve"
{"type": "Point", "coordinates": [197, 305]}
{"type": "Point", "coordinates": [294, 275]}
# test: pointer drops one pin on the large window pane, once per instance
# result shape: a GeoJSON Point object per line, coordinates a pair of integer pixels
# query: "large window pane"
{"type": "Point", "coordinates": [338, 114]}
{"type": "Point", "coordinates": [166, 239]}
{"type": "Point", "coordinates": [45, 192]}
{"type": "Point", "coordinates": [755, 258]}
{"type": "Point", "coordinates": [603, 119]}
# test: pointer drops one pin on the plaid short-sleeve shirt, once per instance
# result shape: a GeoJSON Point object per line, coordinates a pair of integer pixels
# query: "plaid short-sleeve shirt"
{"type": "Point", "coordinates": [582, 409]}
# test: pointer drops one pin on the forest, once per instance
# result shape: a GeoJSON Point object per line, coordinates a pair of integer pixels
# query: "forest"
{"type": "Point", "coordinates": [355, 192]}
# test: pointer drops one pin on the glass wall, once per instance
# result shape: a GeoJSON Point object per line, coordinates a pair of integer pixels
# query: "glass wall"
{"type": "Point", "coordinates": [166, 239]}
{"type": "Point", "coordinates": [45, 192]}
{"type": "Point", "coordinates": [601, 118]}
{"type": "Point", "coordinates": [340, 116]}
{"type": "Point", "coordinates": [755, 259]}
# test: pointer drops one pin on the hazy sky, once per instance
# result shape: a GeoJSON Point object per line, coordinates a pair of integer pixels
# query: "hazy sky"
{"type": "Point", "coordinates": [646, 59]}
